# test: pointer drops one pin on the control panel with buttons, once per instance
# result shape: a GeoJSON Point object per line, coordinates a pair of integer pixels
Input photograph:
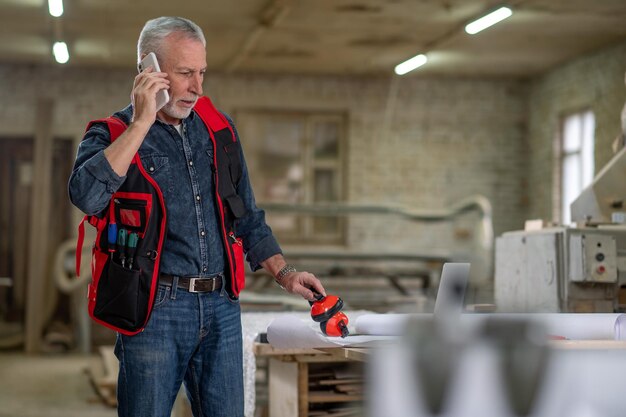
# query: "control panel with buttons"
{"type": "Point", "coordinates": [592, 258]}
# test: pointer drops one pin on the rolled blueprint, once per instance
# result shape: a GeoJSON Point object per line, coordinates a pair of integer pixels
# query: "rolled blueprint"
{"type": "Point", "coordinates": [291, 332]}
{"type": "Point", "coordinates": [574, 326]}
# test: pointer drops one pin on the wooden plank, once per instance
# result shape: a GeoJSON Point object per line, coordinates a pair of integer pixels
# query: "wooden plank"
{"type": "Point", "coordinates": [353, 354]}
{"type": "Point", "coordinates": [350, 388]}
{"type": "Point", "coordinates": [301, 355]}
{"type": "Point", "coordinates": [100, 377]}
{"type": "Point", "coordinates": [341, 381]}
{"type": "Point", "coordinates": [5, 211]}
{"type": "Point", "coordinates": [339, 412]}
{"type": "Point", "coordinates": [348, 372]}
{"type": "Point", "coordinates": [347, 412]}
{"type": "Point", "coordinates": [39, 231]}
{"type": "Point", "coordinates": [111, 366]}
{"type": "Point", "coordinates": [332, 397]}
{"type": "Point", "coordinates": [321, 373]}
{"type": "Point", "coordinates": [265, 349]}
{"type": "Point", "coordinates": [21, 218]}
{"type": "Point", "coordinates": [303, 389]}
{"type": "Point", "coordinates": [316, 359]}
{"type": "Point", "coordinates": [283, 388]}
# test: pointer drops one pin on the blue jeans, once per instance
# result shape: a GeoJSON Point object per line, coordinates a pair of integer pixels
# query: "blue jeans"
{"type": "Point", "coordinates": [191, 337]}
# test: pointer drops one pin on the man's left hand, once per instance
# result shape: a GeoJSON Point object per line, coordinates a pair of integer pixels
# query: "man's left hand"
{"type": "Point", "coordinates": [302, 283]}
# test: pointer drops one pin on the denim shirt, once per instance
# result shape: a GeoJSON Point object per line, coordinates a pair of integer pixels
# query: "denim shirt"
{"type": "Point", "coordinates": [182, 168]}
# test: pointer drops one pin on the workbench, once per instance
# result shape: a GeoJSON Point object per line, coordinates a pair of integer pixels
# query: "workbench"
{"type": "Point", "coordinates": [293, 393]}
{"type": "Point", "coordinates": [295, 387]}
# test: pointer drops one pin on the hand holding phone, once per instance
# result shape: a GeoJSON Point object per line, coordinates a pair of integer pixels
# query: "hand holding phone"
{"type": "Point", "coordinates": [150, 60]}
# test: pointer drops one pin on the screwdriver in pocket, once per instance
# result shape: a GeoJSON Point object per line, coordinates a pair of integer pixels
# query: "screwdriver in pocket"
{"type": "Point", "coordinates": [132, 248]}
{"type": "Point", "coordinates": [121, 245]}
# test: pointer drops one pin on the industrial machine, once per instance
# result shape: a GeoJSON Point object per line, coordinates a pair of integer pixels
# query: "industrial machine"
{"type": "Point", "coordinates": [570, 269]}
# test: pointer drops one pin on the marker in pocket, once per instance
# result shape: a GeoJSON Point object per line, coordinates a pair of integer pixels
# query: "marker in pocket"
{"type": "Point", "coordinates": [112, 237]}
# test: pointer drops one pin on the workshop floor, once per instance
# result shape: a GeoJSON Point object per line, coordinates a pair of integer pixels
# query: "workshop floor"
{"type": "Point", "coordinates": [50, 386]}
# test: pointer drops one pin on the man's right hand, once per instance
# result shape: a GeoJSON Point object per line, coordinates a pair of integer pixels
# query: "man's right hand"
{"type": "Point", "coordinates": [143, 97]}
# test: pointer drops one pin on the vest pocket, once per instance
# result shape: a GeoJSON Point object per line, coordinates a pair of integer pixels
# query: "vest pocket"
{"type": "Point", "coordinates": [240, 272]}
{"type": "Point", "coordinates": [121, 299]}
{"type": "Point", "coordinates": [131, 211]}
{"type": "Point", "coordinates": [157, 166]}
{"type": "Point", "coordinates": [235, 203]}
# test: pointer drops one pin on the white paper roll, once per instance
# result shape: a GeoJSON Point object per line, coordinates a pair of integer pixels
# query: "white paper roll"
{"type": "Point", "coordinates": [291, 332]}
{"type": "Point", "coordinates": [574, 326]}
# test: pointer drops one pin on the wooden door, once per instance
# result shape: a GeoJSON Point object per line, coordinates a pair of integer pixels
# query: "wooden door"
{"type": "Point", "coordinates": [16, 170]}
{"type": "Point", "coordinates": [16, 156]}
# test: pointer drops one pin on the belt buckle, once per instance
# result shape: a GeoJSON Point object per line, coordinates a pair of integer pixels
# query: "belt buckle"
{"type": "Point", "coordinates": [192, 285]}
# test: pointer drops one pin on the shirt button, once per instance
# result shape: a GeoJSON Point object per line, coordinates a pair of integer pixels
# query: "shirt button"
{"type": "Point", "coordinates": [202, 233]}
{"type": "Point", "coordinates": [151, 169]}
{"type": "Point", "coordinates": [191, 163]}
{"type": "Point", "coordinates": [198, 197]}
{"type": "Point", "coordinates": [204, 269]}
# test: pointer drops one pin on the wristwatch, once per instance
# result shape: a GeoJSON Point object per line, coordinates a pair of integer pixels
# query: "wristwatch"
{"type": "Point", "coordinates": [284, 271]}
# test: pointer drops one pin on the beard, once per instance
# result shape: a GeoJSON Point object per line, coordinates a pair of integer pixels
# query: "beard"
{"type": "Point", "coordinates": [178, 113]}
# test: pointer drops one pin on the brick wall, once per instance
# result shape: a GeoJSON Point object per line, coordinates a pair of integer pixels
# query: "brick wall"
{"type": "Point", "coordinates": [422, 144]}
{"type": "Point", "coordinates": [596, 82]}
{"type": "Point", "coordinates": [419, 143]}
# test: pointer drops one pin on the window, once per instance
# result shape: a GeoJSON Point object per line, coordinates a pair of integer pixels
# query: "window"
{"type": "Point", "coordinates": [296, 158]}
{"type": "Point", "coordinates": [577, 166]}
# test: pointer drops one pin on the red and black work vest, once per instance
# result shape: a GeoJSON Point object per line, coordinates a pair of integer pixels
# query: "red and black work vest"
{"type": "Point", "coordinates": [122, 298]}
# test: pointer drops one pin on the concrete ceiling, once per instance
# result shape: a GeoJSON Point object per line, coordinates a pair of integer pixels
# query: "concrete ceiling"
{"type": "Point", "coordinates": [349, 37]}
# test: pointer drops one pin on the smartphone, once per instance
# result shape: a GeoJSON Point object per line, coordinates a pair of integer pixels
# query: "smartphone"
{"type": "Point", "coordinates": [150, 60]}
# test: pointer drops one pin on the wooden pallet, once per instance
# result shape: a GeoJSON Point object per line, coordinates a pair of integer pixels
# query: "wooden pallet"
{"type": "Point", "coordinates": [103, 375]}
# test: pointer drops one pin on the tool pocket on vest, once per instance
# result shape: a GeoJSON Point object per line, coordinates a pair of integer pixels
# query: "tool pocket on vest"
{"type": "Point", "coordinates": [235, 203]}
{"type": "Point", "coordinates": [240, 272]}
{"type": "Point", "coordinates": [121, 300]}
{"type": "Point", "coordinates": [131, 211]}
{"type": "Point", "coordinates": [98, 262]}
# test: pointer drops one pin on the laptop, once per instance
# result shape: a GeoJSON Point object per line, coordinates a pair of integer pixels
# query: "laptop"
{"type": "Point", "coordinates": [452, 287]}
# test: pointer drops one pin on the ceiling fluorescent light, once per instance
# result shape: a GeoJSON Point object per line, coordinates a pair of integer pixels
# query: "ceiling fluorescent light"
{"type": "Point", "coordinates": [55, 7]}
{"type": "Point", "coordinates": [488, 20]}
{"type": "Point", "coordinates": [61, 54]}
{"type": "Point", "coordinates": [411, 64]}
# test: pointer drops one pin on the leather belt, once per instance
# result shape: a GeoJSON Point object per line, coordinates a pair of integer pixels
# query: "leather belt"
{"type": "Point", "coordinates": [194, 284]}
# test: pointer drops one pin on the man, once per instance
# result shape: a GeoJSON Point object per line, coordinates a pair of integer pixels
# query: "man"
{"type": "Point", "coordinates": [192, 330]}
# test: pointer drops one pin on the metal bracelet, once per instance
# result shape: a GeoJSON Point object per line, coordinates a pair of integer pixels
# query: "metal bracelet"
{"type": "Point", "coordinates": [284, 271]}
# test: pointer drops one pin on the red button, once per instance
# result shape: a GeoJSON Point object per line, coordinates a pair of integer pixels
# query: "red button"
{"type": "Point", "coordinates": [601, 269]}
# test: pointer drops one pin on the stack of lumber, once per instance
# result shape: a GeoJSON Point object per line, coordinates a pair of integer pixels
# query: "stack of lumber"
{"type": "Point", "coordinates": [336, 391]}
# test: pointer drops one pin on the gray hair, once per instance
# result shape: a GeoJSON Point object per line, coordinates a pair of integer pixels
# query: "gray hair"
{"type": "Point", "coordinates": [155, 30]}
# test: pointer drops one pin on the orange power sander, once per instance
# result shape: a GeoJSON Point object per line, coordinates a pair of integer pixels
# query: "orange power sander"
{"type": "Point", "coordinates": [327, 312]}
